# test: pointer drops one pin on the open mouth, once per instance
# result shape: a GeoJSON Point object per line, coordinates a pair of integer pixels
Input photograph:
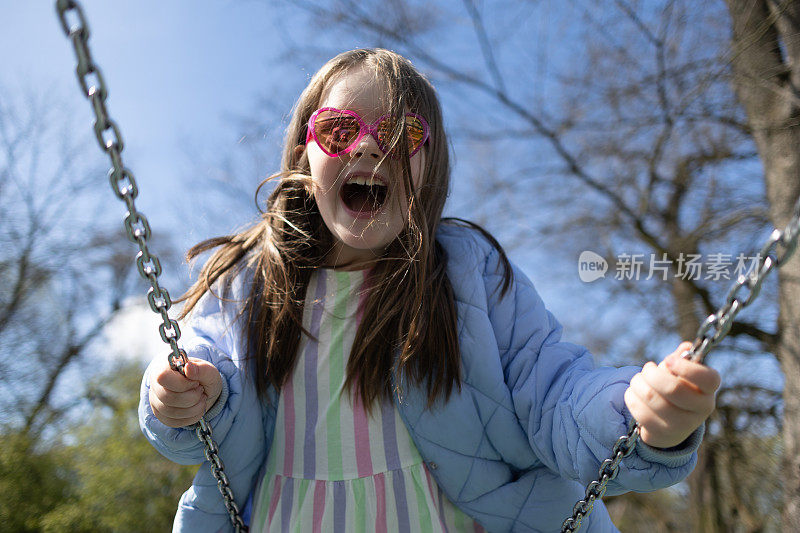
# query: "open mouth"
{"type": "Point", "coordinates": [364, 195]}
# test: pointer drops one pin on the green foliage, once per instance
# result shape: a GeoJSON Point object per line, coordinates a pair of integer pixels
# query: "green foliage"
{"type": "Point", "coordinates": [101, 476]}
{"type": "Point", "coordinates": [736, 488]}
{"type": "Point", "coordinates": [32, 483]}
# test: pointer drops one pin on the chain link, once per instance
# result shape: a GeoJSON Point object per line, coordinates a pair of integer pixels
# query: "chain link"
{"type": "Point", "coordinates": [137, 227]}
{"type": "Point", "coordinates": [608, 471]}
{"type": "Point", "coordinates": [778, 248]}
{"type": "Point", "coordinates": [123, 183]}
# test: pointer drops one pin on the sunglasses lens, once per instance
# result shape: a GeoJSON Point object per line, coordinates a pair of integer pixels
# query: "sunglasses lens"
{"type": "Point", "coordinates": [336, 131]}
{"type": "Point", "coordinates": [415, 132]}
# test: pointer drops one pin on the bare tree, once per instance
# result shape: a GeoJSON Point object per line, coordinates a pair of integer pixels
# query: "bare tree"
{"type": "Point", "coordinates": [766, 62]}
{"type": "Point", "coordinates": [65, 267]}
{"type": "Point", "coordinates": [637, 121]}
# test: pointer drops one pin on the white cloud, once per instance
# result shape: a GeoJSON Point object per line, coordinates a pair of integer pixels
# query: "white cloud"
{"type": "Point", "coordinates": [133, 333]}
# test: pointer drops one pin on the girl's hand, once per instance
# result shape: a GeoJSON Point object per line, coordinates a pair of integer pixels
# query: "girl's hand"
{"type": "Point", "coordinates": [179, 401]}
{"type": "Point", "coordinates": [672, 399]}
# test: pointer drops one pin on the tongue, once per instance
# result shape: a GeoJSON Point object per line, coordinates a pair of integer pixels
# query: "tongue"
{"type": "Point", "coordinates": [361, 202]}
{"type": "Point", "coordinates": [358, 198]}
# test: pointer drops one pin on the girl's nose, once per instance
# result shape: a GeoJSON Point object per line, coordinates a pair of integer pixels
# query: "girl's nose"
{"type": "Point", "coordinates": [367, 146]}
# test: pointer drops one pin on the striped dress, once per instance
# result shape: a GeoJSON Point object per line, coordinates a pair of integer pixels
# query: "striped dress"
{"type": "Point", "coordinates": [332, 467]}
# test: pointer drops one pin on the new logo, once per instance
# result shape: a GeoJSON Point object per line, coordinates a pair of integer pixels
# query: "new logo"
{"type": "Point", "coordinates": [591, 266]}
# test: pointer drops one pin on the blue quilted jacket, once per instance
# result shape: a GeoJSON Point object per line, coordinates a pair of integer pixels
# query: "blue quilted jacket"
{"type": "Point", "coordinates": [529, 428]}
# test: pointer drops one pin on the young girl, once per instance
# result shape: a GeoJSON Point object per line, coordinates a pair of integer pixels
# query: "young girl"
{"type": "Point", "coordinates": [368, 366]}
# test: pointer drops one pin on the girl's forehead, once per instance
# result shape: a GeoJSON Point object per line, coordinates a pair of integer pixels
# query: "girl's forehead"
{"type": "Point", "coordinates": [359, 90]}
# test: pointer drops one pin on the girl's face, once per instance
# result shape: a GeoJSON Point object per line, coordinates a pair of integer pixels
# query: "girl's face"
{"type": "Point", "coordinates": [362, 225]}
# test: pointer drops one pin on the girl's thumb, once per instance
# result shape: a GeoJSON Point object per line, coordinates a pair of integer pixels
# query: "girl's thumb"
{"type": "Point", "coordinates": [198, 370]}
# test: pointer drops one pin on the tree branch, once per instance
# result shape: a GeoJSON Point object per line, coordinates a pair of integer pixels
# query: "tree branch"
{"type": "Point", "coordinates": [68, 354]}
{"type": "Point", "coordinates": [486, 47]}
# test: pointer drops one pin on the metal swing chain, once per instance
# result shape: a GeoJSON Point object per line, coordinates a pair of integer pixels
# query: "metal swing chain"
{"type": "Point", "coordinates": [711, 331]}
{"type": "Point", "coordinates": [137, 227]}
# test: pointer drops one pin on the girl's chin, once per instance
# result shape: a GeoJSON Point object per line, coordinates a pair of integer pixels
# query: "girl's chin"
{"type": "Point", "coordinates": [360, 246]}
{"type": "Point", "coordinates": [371, 242]}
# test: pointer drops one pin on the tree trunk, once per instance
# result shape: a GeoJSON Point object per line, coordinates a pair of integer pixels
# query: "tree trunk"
{"type": "Point", "coordinates": [766, 63]}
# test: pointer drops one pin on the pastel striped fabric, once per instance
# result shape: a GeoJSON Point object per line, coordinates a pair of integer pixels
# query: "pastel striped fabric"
{"type": "Point", "coordinates": [332, 467]}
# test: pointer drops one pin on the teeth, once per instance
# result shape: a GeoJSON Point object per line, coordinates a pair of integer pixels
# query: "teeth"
{"type": "Point", "coordinates": [364, 180]}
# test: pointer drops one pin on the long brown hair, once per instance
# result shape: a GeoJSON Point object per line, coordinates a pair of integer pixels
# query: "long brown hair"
{"type": "Point", "coordinates": [408, 289]}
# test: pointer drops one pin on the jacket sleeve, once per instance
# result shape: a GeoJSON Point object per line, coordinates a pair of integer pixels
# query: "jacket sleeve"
{"type": "Point", "coordinates": [571, 411]}
{"type": "Point", "coordinates": [212, 332]}
{"type": "Point", "coordinates": [181, 445]}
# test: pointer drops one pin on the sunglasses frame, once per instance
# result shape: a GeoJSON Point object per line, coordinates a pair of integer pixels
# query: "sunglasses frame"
{"type": "Point", "coordinates": [364, 129]}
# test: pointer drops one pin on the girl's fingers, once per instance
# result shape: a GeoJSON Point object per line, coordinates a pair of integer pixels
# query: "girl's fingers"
{"type": "Point", "coordinates": [177, 416]}
{"type": "Point", "coordinates": [181, 400]}
{"type": "Point", "coordinates": [651, 424]}
{"type": "Point", "coordinates": [202, 371]}
{"type": "Point", "coordinates": [671, 399]}
{"type": "Point", "coordinates": [685, 346]}
{"type": "Point", "coordinates": [174, 381]}
{"type": "Point", "coordinates": [661, 428]}
{"type": "Point", "coordinates": [675, 389]}
{"type": "Point", "coordinates": [705, 378]}
{"type": "Point", "coordinates": [657, 402]}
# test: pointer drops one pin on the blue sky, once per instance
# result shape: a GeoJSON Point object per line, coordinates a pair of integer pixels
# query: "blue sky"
{"type": "Point", "coordinates": [178, 75]}
{"type": "Point", "coordinates": [182, 74]}
{"type": "Point", "coordinates": [176, 72]}
{"type": "Point", "coordinates": [181, 77]}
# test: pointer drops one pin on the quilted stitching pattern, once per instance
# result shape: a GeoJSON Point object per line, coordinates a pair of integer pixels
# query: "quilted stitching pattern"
{"type": "Point", "coordinates": [532, 411]}
{"type": "Point", "coordinates": [533, 397]}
